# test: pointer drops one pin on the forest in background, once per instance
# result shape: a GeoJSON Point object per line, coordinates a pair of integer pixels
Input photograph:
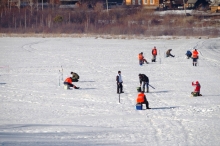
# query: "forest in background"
{"type": "Point", "coordinates": [118, 21]}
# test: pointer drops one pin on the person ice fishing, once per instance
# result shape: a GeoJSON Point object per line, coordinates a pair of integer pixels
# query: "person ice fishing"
{"type": "Point", "coordinates": [141, 58]}
{"type": "Point", "coordinates": [141, 99]}
{"type": "Point", "coordinates": [68, 81]}
{"type": "Point", "coordinates": [75, 77]}
{"type": "Point", "coordinates": [119, 82]}
{"type": "Point", "coordinates": [168, 54]}
{"type": "Point", "coordinates": [144, 81]}
{"type": "Point", "coordinates": [195, 57]}
{"type": "Point", "coordinates": [197, 88]}
{"type": "Point", "coordinates": [154, 53]}
{"type": "Point", "coordinates": [188, 54]}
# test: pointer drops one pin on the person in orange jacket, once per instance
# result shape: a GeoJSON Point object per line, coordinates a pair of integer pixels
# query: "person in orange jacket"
{"type": "Point", "coordinates": [141, 99]}
{"type": "Point", "coordinates": [141, 58]}
{"type": "Point", "coordinates": [195, 57]}
{"type": "Point", "coordinates": [154, 53]}
{"type": "Point", "coordinates": [68, 81]}
{"type": "Point", "coordinates": [197, 88]}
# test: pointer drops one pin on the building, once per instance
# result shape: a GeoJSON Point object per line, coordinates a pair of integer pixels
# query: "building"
{"type": "Point", "coordinates": [69, 4]}
{"type": "Point", "coordinates": [149, 4]}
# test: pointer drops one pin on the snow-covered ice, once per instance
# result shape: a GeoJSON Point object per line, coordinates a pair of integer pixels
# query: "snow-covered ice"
{"type": "Point", "coordinates": [36, 110]}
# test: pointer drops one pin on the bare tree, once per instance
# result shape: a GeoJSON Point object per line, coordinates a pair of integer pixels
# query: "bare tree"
{"type": "Point", "coordinates": [31, 4]}
{"type": "Point", "coordinates": [18, 4]}
{"type": "Point", "coordinates": [3, 3]}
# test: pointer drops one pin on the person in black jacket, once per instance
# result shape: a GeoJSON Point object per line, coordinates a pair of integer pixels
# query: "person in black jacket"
{"type": "Point", "coordinates": [144, 81]}
{"type": "Point", "coordinates": [119, 83]}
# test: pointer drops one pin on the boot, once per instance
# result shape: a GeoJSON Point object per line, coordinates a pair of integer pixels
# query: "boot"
{"type": "Point", "coordinates": [143, 90]}
{"type": "Point", "coordinates": [75, 87]}
{"type": "Point", "coordinates": [147, 90]}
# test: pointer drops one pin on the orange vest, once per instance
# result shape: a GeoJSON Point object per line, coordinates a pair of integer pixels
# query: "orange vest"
{"type": "Point", "coordinates": [140, 98]}
{"type": "Point", "coordinates": [68, 80]}
{"type": "Point", "coordinates": [195, 54]}
{"type": "Point", "coordinates": [140, 57]}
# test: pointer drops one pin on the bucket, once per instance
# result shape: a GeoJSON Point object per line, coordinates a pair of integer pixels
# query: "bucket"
{"type": "Point", "coordinates": [140, 62]}
{"type": "Point", "coordinates": [66, 87]}
{"type": "Point", "coordinates": [138, 106]}
{"type": "Point", "coordinates": [138, 89]}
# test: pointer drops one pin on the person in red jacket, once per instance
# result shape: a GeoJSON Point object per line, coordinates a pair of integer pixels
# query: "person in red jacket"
{"type": "Point", "coordinates": [68, 81]}
{"type": "Point", "coordinates": [154, 53]}
{"type": "Point", "coordinates": [195, 57]}
{"type": "Point", "coordinates": [197, 88]}
{"type": "Point", "coordinates": [141, 59]}
{"type": "Point", "coordinates": [141, 99]}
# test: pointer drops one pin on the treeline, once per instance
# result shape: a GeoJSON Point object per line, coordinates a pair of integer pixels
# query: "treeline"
{"type": "Point", "coordinates": [126, 21]}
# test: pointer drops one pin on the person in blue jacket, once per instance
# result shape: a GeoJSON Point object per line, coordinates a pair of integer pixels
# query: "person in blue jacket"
{"type": "Point", "coordinates": [188, 54]}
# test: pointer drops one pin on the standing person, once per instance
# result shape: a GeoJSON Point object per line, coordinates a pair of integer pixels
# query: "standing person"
{"type": "Point", "coordinates": [141, 99]}
{"type": "Point", "coordinates": [144, 81]}
{"type": "Point", "coordinates": [141, 58]}
{"type": "Point", "coordinates": [197, 88]}
{"type": "Point", "coordinates": [188, 54]}
{"type": "Point", "coordinates": [119, 83]}
{"type": "Point", "coordinates": [154, 53]}
{"type": "Point", "coordinates": [68, 81]}
{"type": "Point", "coordinates": [75, 77]}
{"type": "Point", "coordinates": [195, 57]}
{"type": "Point", "coordinates": [169, 54]}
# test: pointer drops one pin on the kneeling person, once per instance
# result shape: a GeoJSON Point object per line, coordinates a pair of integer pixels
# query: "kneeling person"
{"type": "Point", "coordinates": [68, 82]}
{"type": "Point", "coordinates": [197, 89]}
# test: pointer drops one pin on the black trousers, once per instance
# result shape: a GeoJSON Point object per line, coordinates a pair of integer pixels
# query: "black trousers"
{"type": "Point", "coordinates": [75, 80]}
{"type": "Point", "coordinates": [66, 83]}
{"type": "Point", "coordinates": [147, 104]}
{"type": "Point", "coordinates": [119, 87]}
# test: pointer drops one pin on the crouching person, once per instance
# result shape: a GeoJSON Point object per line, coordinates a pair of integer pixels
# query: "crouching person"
{"type": "Point", "coordinates": [141, 99]}
{"type": "Point", "coordinates": [168, 53]}
{"type": "Point", "coordinates": [197, 89]}
{"type": "Point", "coordinates": [68, 82]}
{"type": "Point", "coordinates": [75, 77]}
{"type": "Point", "coordinates": [188, 54]}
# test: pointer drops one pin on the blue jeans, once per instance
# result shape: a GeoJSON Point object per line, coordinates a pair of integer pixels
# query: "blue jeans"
{"type": "Point", "coordinates": [145, 84]}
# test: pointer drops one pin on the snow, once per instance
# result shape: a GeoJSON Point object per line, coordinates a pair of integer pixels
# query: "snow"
{"type": "Point", "coordinates": [37, 111]}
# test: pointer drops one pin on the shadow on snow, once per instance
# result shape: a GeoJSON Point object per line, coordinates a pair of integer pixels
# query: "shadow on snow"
{"type": "Point", "coordinates": [164, 107]}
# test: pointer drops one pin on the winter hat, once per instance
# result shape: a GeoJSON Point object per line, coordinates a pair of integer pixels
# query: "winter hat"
{"type": "Point", "coordinates": [197, 82]}
{"type": "Point", "coordinates": [141, 52]}
{"type": "Point", "coordinates": [119, 71]}
{"type": "Point", "coordinates": [71, 73]}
